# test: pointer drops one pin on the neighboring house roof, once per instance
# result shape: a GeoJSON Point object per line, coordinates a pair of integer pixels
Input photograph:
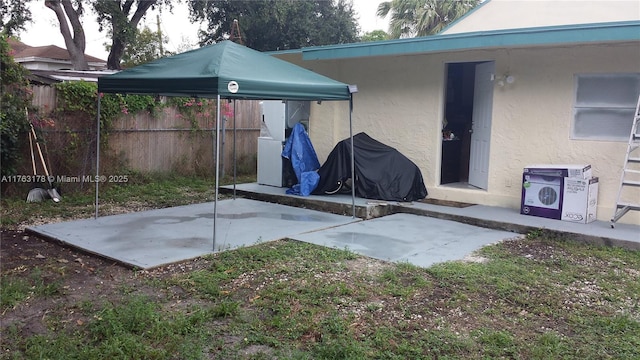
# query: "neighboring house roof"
{"type": "Point", "coordinates": [17, 45]}
{"type": "Point", "coordinates": [47, 77]}
{"type": "Point", "coordinates": [50, 56]}
{"type": "Point", "coordinates": [510, 14]}
{"type": "Point", "coordinates": [51, 52]}
{"type": "Point", "coordinates": [582, 34]}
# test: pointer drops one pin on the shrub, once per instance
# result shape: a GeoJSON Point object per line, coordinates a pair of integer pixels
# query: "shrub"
{"type": "Point", "coordinates": [15, 100]}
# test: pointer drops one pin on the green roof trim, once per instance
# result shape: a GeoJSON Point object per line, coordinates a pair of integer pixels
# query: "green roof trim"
{"type": "Point", "coordinates": [539, 36]}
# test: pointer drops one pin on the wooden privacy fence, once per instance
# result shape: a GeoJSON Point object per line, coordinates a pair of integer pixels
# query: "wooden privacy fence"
{"type": "Point", "coordinates": [44, 98]}
{"type": "Point", "coordinates": [170, 142]}
{"type": "Point", "coordinates": [167, 141]}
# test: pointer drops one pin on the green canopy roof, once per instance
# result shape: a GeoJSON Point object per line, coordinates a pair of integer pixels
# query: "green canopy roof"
{"type": "Point", "coordinates": [227, 69]}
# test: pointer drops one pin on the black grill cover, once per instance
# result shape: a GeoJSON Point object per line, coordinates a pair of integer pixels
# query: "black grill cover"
{"type": "Point", "coordinates": [381, 172]}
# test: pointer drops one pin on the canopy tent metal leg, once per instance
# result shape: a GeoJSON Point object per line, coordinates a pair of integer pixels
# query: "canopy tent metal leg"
{"type": "Point", "coordinates": [235, 166]}
{"type": "Point", "coordinates": [217, 157]}
{"type": "Point", "coordinates": [97, 156]}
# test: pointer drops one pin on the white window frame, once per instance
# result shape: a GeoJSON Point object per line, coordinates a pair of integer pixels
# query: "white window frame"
{"type": "Point", "coordinates": [597, 118]}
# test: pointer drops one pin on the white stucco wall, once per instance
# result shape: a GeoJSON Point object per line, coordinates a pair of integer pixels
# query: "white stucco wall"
{"type": "Point", "coordinates": [513, 14]}
{"type": "Point", "coordinates": [401, 103]}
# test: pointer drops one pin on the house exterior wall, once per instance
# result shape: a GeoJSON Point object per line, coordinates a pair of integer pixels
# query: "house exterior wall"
{"type": "Point", "coordinates": [42, 64]}
{"type": "Point", "coordinates": [510, 14]}
{"type": "Point", "coordinates": [401, 103]}
{"type": "Point", "coordinates": [53, 64]}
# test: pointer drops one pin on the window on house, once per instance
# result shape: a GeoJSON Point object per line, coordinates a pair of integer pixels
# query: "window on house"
{"type": "Point", "coordinates": [604, 106]}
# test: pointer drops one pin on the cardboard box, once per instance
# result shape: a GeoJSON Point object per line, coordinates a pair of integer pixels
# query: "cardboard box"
{"type": "Point", "coordinates": [580, 200]}
{"type": "Point", "coordinates": [579, 171]}
{"type": "Point", "coordinates": [542, 196]}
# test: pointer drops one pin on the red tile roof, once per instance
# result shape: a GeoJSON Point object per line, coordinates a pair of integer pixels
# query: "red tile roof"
{"type": "Point", "coordinates": [17, 45]}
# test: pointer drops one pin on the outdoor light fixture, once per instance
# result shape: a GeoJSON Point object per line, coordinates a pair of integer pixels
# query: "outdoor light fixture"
{"type": "Point", "coordinates": [504, 79]}
{"type": "Point", "coordinates": [353, 89]}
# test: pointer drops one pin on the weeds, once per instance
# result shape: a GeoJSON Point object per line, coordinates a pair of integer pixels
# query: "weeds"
{"type": "Point", "coordinates": [16, 289]}
{"type": "Point", "coordinates": [139, 192]}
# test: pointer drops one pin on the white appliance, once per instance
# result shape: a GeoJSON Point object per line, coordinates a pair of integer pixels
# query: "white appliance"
{"type": "Point", "coordinates": [269, 162]}
{"type": "Point", "coordinates": [277, 118]}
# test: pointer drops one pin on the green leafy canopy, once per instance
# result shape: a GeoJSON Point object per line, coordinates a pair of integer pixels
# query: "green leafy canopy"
{"type": "Point", "coordinates": [278, 24]}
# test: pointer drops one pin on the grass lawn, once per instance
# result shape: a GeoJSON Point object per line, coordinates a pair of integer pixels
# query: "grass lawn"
{"type": "Point", "coordinates": [535, 298]}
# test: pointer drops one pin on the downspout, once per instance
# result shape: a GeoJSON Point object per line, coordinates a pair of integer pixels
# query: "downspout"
{"type": "Point", "coordinates": [352, 90]}
{"type": "Point", "coordinates": [353, 165]}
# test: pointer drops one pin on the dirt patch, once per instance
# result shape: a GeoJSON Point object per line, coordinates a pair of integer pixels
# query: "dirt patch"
{"type": "Point", "coordinates": [366, 266]}
{"type": "Point", "coordinates": [77, 277]}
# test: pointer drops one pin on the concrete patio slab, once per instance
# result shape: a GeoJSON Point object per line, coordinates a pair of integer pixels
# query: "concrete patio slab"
{"type": "Point", "coordinates": [492, 217]}
{"type": "Point", "coordinates": [419, 233]}
{"type": "Point", "coordinates": [154, 238]}
{"type": "Point", "coordinates": [419, 240]}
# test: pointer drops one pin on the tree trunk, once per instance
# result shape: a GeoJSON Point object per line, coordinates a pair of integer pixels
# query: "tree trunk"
{"type": "Point", "coordinates": [115, 55]}
{"type": "Point", "coordinates": [120, 38]}
{"type": "Point", "coordinates": [75, 42]}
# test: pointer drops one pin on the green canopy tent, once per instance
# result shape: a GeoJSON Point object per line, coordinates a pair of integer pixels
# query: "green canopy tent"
{"type": "Point", "coordinates": [229, 71]}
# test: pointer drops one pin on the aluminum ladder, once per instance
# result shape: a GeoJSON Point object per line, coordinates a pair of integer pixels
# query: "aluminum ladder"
{"type": "Point", "coordinates": [630, 173]}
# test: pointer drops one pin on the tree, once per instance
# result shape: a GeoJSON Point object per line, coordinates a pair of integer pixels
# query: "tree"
{"type": "Point", "coordinates": [120, 17]}
{"type": "Point", "coordinates": [277, 24]}
{"type": "Point", "coordinates": [411, 18]}
{"type": "Point", "coordinates": [114, 15]}
{"type": "Point", "coordinates": [375, 35]}
{"type": "Point", "coordinates": [185, 44]}
{"type": "Point", "coordinates": [14, 16]}
{"type": "Point", "coordinates": [76, 42]}
{"type": "Point", "coordinates": [146, 47]}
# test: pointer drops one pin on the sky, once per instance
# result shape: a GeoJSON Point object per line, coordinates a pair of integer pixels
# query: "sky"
{"type": "Point", "coordinates": [45, 29]}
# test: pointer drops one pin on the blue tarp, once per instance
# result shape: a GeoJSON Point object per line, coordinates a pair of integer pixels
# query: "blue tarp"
{"type": "Point", "coordinates": [299, 150]}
